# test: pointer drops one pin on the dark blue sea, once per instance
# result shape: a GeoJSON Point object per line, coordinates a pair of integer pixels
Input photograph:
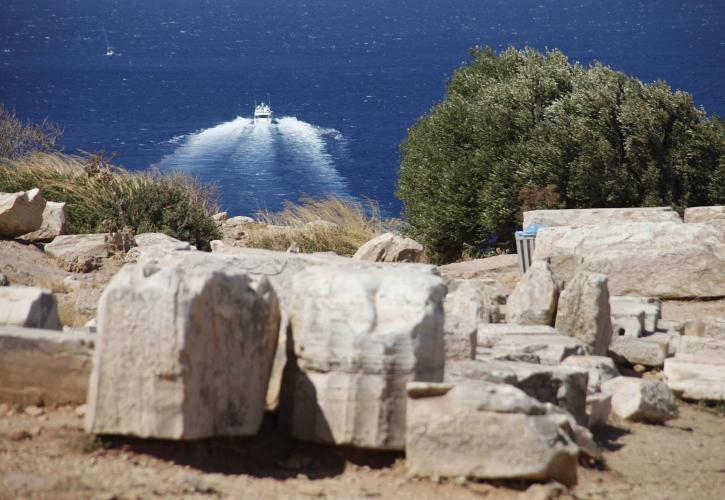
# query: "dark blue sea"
{"type": "Point", "coordinates": [346, 78]}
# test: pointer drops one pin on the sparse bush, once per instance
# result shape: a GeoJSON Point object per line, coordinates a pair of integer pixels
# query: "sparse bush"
{"type": "Point", "coordinates": [331, 224]}
{"type": "Point", "coordinates": [514, 125]}
{"type": "Point", "coordinates": [102, 198]}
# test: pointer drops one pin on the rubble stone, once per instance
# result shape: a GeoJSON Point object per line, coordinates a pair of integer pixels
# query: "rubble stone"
{"type": "Point", "coordinates": [638, 399]}
{"type": "Point", "coordinates": [390, 247]}
{"type": "Point", "coordinates": [633, 351]}
{"type": "Point", "coordinates": [535, 298]}
{"type": "Point", "coordinates": [21, 212]}
{"type": "Point", "coordinates": [28, 306]}
{"type": "Point", "coordinates": [82, 253]}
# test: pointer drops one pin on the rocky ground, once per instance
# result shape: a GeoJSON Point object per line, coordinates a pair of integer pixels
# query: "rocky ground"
{"type": "Point", "coordinates": [48, 456]}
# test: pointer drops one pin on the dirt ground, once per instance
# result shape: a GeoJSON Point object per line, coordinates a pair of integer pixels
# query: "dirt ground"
{"type": "Point", "coordinates": [48, 456]}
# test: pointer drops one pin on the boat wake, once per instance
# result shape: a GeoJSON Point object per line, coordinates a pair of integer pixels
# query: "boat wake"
{"type": "Point", "coordinates": [264, 164]}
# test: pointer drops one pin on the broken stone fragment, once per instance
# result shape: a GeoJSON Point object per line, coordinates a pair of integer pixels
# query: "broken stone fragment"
{"type": "Point", "coordinates": [82, 253]}
{"type": "Point", "coordinates": [21, 212]}
{"type": "Point", "coordinates": [638, 399]}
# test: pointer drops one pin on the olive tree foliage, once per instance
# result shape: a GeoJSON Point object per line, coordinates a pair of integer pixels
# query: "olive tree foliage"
{"type": "Point", "coordinates": [524, 125]}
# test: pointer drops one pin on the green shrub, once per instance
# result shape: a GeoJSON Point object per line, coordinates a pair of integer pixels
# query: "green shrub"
{"type": "Point", "coordinates": [522, 130]}
{"type": "Point", "coordinates": [103, 198]}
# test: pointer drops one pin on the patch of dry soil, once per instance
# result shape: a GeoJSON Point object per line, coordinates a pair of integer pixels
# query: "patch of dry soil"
{"type": "Point", "coordinates": [48, 456]}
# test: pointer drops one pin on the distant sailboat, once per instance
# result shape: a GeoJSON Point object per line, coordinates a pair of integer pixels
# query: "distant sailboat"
{"type": "Point", "coordinates": [109, 49]}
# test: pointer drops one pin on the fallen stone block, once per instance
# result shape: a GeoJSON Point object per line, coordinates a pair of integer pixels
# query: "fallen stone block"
{"type": "Point", "coordinates": [184, 352]}
{"type": "Point", "coordinates": [599, 406]}
{"type": "Point", "coordinates": [702, 350]}
{"type": "Point", "coordinates": [390, 247]}
{"type": "Point", "coordinates": [584, 313]}
{"type": "Point", "coordinates": [468, 303]}
{"type": "Point", "coordinates": [695, 380]}
{"type": "Point", "coordinates": [535, 298]}
{"type": "Point", "coordinates": [532, 343]}
{"type": "Point", "coordinates": [709, 326]}
{"type": "Point", "coordinates": [21, 212]}
{"type": "Point", "coordinates": [641, 259]}
{"type": "Point", "coordinates": [486, 431]}
{"type": "Point", "coordinates": [82, 253]}
{"type": "Point", "coordinates": [563, 386]}
{"type": "Point", "coordinates": [641, 400]}
{"type": "Point", "coordinates": [599, 368]}
{"type": "Point", "coordinates": [358, 336]}
{"type": "Point", "coordinates": [28, 306]}
{"type": "Point", "coordinates": [669, 341]}
{"type": "Point", "coordinates": [649, 309]}
{"type": "Point", "coordinates": [44, 367]}
{"type": "Point", "coordinates": [704, 214]}
{"type": "Point", "coordinates": [634, 351]}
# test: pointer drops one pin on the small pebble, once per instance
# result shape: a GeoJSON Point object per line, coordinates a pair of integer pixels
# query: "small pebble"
{"type": "Point", "coordinates": [34, 411]}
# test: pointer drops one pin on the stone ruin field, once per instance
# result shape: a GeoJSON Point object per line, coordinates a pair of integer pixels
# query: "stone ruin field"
{"type": "Point", "coordinates": [146, 368]}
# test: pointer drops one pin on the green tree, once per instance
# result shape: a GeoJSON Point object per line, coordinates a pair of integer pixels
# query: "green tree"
{"type": "Point", "coordinates": [523, 127]}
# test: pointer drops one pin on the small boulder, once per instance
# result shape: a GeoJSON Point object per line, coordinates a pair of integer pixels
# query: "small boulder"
{"type": "Point", "coordinates": [82, 253]}
{"type": "Point", "coordinates": [486, 431]}
{"type": "Point", "coordinates": [30, 307]}
{"type": "Point", "coordinates": [53, 223]}
{"type": "Point", "coordinates": [634, 351]}
{"type": "Point", "coordinates": [21, 212]}
{"type": "Point", "coordinates": [535, 298]}
{"type": "Point", "coordinates": [532, 343]}
{"type": "Point", "coordinates": [641, 400]}
{"type": "Point", "coordinates": [390, 247]}
{"type": "Point", "coordinates": [584, 313]}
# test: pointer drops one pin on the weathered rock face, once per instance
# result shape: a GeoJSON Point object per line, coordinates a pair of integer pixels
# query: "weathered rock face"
{"type": "Point", "coordinates": [535, 298]}
{"type": "Point", "coordinates": [635, 351]}
{"type": "Point", "coordinates": [390, 247]}
{"type": "Point", "coordinates": [638, 399]}
{"type": "Point", "coordinates": [357, 338]}
{"type": "Point", "coordinates": [667, 260]}
{"type": "Point", "coordinates": [698, 370]}
{"type": "Point", "coordinates": [559, 385]}
{"type": "Point", "coordinates": [28, 306]}
{"type": "Point", "coordinates": [635, 316]}
{"type": "Point", "coordinates": [704, 214]}
{"type": "Point", "coordinates": [469, 303]}
{"type": "Point", "coordinates": [82, 253]}
{"type": "Point", "coordinates": [44, 367]}
{"type": "Point", "coordinates": [184, 352]}
{"type": "Point", "coordinates": [486, 431]}
{"type": "Point", "coordinates": [584, 312]}
{"type": "Point", "coordinates": [21, 212]}
{"type": "Point", "coordinates": [528, 343]}
{"type": "Point", "coordinates": [592, 216]}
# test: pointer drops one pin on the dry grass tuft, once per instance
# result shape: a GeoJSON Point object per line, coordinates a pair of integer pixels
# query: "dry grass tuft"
{"type": "Point", "coordinates": [317, 225]}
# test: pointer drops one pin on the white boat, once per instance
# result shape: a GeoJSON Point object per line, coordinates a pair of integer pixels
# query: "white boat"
{"type": "Point", "coordinates": [109, 49]}
{"type": "Point", "coordinates": [262, 113]}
